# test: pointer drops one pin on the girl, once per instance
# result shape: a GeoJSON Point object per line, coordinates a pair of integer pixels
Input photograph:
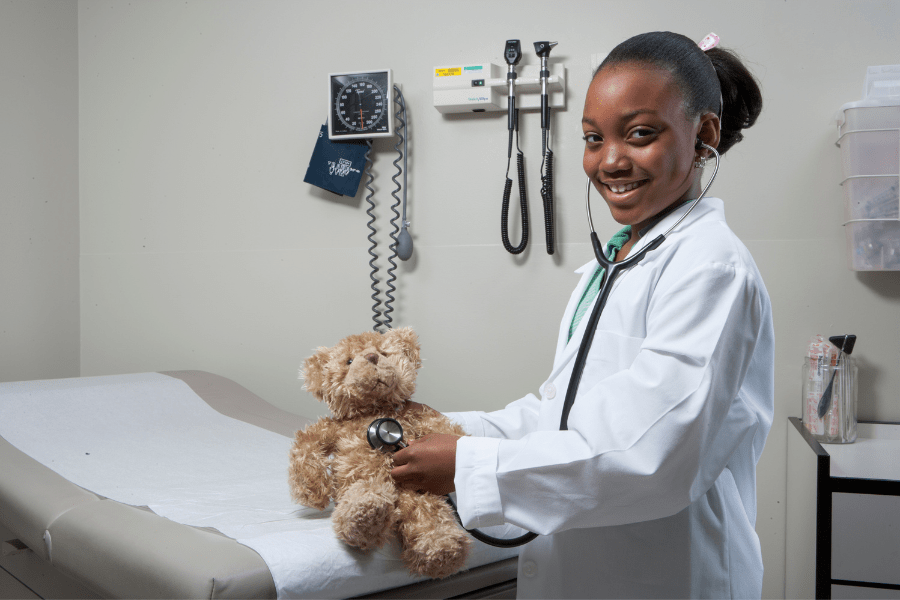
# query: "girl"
{"type": "Point", "coordinates": [651, 491]}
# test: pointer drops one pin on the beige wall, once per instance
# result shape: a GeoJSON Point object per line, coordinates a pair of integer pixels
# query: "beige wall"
{"type": "Point", "coordinates": [39, 317]}
{"type": "Point", "coordinates": [202, 248]}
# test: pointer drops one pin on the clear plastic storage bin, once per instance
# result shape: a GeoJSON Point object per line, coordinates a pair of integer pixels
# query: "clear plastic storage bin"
{"type": "Point", "coordinates": [869, 139]}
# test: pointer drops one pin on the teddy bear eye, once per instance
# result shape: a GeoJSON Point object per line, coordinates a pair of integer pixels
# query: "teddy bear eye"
{"type": "Point", "coordinates": [349, 361]}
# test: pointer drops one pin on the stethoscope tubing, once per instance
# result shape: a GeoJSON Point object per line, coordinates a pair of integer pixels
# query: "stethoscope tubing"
{"type": "Point", "coordinates": [612, 270]}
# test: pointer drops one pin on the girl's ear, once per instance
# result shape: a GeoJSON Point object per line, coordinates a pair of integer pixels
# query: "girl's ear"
{"type": "Point", "coordinates": [709, 132]}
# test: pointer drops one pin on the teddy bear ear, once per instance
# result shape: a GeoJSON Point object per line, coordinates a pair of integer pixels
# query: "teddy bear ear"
{"type": "Point", "coordinates": [312, 372]}
{"type": "Point", "coordinates": [408, 342]}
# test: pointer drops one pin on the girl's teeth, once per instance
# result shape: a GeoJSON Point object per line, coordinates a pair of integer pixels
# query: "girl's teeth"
{"type": "Point", "coordinates": [621, 189]}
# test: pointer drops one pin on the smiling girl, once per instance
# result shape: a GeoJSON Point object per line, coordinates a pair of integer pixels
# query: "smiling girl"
{"type": "Point", "coordinates": [651, 491]}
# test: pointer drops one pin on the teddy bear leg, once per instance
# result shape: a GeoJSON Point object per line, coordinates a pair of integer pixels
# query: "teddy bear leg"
{"type": "Point", "coordinates": [434, 544]}
{"type": "Point", "coordinates": [364, 514]}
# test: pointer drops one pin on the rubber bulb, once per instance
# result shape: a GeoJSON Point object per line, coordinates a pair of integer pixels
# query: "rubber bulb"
{"type": "Point", "coordinates": [404, 244]}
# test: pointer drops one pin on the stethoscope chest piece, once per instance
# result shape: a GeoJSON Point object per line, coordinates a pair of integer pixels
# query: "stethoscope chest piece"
{"type": "Point", "coordinates": [386, 435]}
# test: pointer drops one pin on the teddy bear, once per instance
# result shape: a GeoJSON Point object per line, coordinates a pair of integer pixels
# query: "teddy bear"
{"type": "Point", "coordinates": [365, 377]}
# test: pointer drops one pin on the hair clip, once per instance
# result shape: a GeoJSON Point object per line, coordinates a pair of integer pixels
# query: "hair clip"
{"type": "Point", "coordinates": [709, 42]}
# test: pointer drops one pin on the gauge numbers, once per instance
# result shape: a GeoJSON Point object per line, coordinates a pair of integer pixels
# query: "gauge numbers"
{"type": "Point", "coordinates": [360, 105]}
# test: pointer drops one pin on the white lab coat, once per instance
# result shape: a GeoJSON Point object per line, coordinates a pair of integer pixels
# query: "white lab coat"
{"type": "Point", "coordinates": [652, 490]}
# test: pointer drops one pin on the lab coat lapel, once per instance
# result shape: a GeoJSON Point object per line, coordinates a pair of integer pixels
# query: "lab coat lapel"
{"type": "Point", "coordinates": [564, 346]}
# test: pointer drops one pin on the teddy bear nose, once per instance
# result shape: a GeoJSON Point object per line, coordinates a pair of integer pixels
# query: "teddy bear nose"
{"type": "Point", "coordinates": [372, 358]}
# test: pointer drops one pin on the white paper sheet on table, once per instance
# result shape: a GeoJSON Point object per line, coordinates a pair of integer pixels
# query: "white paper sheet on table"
{"type": "Point", "coordinates": [149, 440]}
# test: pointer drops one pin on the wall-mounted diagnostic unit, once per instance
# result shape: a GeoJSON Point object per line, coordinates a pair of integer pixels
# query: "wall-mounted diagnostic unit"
{"type": "Point", "coordinates": [488, 87]}
{"type": "Point", "coordinates": [482, 87]}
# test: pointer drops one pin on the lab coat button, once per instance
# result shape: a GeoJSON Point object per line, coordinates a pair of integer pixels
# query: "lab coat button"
{"type": "Point", "coordinates": [550, 391]}
{"type": "Point", "coordinates": [529, 569]}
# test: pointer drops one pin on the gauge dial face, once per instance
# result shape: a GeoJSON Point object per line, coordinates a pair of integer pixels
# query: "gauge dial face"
{"type": "Point", "coordinates": [360, 105]}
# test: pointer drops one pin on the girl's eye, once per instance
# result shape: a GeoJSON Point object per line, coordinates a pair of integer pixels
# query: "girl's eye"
{"type": "Point", "coordinates": [592, 138]}
{"type": "Point", "coordinates": [641, 133]}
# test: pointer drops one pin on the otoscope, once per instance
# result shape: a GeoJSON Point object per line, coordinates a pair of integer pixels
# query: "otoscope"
{"type": "Point", "coordinates": [543, 51]}
{"type": "Point", "coordinates": [513, 54]}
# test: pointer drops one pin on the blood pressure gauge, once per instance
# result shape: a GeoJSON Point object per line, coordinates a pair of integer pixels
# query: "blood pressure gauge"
{"type": "Point", "coordinates": [360, 105]}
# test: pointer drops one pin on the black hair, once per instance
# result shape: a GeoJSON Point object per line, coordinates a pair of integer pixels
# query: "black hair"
{"type": "Point", "coordinates": [712, 81]}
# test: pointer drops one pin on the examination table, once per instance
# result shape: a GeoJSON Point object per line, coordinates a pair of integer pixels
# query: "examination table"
{"type": "Point", "coordinates": [103, 500]}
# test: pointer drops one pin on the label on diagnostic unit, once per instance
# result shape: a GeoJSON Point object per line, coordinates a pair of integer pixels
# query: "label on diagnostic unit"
{"type": "Point", "coordinates": [447, 72]}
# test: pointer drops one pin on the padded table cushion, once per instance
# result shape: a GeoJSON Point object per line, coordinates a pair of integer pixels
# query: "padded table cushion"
{"type": "Point", "coordinates": [89, 537]}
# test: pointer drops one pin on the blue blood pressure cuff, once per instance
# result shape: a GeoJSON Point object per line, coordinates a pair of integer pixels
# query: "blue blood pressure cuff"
{"type": "Point", "coordinates": [337, 166]}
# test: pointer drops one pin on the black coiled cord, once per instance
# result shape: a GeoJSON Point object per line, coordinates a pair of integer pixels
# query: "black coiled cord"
{"type": "Point", "coordinates": [507, 191]}
{"type": "Point", "coordinates": [547, 193]}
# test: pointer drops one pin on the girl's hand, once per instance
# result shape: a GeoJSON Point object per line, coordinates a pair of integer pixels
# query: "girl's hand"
{"type": "Point", "coordinates": [427, 464]}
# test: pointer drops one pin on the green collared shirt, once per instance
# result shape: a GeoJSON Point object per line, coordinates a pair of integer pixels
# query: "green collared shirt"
{"type": "Point", "coordinates": [593, 286]}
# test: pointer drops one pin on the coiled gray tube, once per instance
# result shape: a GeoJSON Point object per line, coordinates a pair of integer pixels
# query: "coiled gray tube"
{"type": "Point", "coordinates": [401, 245]}
{"type": "Point", "coordinates": [370, 198]}
{"type": "Point", "coordinates": [392, 277]}
{"type": "Point", "coordinates": [404, 240]}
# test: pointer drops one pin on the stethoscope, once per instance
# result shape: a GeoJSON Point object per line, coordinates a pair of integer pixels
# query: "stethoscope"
{"type": "Point", "coordinates": [612, 271]}
{"type": "Point", "coordinates": [386, 434]}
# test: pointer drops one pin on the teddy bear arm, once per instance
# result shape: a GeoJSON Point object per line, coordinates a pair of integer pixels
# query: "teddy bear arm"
{"type": "Point", "coordinates": [310, 473]}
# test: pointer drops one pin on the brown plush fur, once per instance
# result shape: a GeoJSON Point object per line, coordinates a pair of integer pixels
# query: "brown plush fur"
{"type": "Point", "coordinates": [365, 377]}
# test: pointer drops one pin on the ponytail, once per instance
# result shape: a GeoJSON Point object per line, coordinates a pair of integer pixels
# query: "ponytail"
{"type": "Point", "coordinates": [712, 81]}
{"type": "Point", "coordinates": [741, 96]}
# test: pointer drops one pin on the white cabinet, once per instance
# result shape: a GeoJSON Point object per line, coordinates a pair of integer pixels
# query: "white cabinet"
{"type": "Point", "coordinates": [843, 514]}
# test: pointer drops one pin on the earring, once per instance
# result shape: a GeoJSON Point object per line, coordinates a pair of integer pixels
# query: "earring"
{"type": "Point", "coordinates": [700, 161]}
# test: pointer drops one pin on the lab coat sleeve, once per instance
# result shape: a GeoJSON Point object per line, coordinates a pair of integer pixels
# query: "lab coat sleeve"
{"type": "Point", "coordinates": [512, 422]}
{"type": "Point", "coordinates": [644, 442]}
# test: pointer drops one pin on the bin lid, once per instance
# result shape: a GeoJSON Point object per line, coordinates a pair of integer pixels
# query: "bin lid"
{"type": "Point", "coordinates": [881, 88]}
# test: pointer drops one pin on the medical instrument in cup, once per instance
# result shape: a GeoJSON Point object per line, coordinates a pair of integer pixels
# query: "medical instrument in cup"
{"type": "Point", "coordinates": [847, 342]}
{"type": "Point", "coordinates": [542, 49]}
{"type": "Point", "coordinates": [612, 270]}
{"type": "Point", "coordinates": [513, 54]}
{"type": "Point", "coordinates": [386, 435]}
{"type": "Point", "coordinates": [829, 399]}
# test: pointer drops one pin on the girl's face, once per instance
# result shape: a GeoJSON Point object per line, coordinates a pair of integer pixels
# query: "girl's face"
{"type": "Point", "coordinates": [639, 146]}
